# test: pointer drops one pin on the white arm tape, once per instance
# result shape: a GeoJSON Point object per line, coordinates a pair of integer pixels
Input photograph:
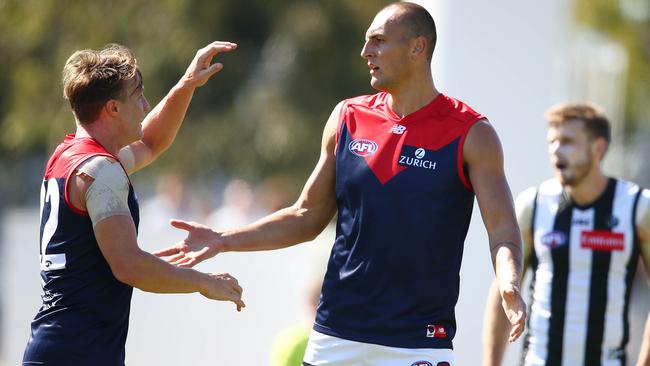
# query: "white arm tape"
{"type": "Point", "coordinates": [108, 194]}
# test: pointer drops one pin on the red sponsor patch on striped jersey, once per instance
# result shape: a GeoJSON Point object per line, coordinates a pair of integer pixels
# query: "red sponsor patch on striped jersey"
{"type": "Point", "coordinates": [602, 240]}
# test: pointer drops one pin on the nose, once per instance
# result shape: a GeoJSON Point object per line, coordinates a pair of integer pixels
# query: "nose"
{"type": "Point", "coordinates": [145, 105]}
{"type": "Point", "coordinates": [366, 51]}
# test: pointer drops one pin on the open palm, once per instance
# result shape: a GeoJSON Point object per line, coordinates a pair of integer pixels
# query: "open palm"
{"type": "Point", "coordinates": [200, 244]}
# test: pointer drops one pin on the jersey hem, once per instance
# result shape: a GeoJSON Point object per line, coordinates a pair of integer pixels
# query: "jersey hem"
{"type": "Point", "coordinates": [356, 337]}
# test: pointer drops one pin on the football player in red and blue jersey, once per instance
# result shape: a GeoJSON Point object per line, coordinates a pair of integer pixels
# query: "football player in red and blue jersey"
{"type": "Point", "coordinates": [89, 255]}
{"type": "Point", "coordinates": [401, 168]}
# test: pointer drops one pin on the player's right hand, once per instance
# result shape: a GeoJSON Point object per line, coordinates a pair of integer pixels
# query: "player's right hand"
{"type": "Point", "coordinates": [224, 287]}
{"type": "Point", "coordinates": [200, 244]}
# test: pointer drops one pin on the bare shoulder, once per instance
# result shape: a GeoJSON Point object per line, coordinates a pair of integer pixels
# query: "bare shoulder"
{"type": "Point", "coordinates": [526, 198]}
{"type": "Point", "coordinates": [331, 126]}
{"type": "Point", "coordinates": [334, 118]}
{"type": "Point", "coordinates": [482, 145]}
{"type": "Point", "coordinates": [643, 213]}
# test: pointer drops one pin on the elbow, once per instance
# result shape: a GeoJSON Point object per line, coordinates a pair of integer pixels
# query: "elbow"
{"type": "Point", "coordinates": [127, 274]}
{"type": "Point", "coordinates": [311, 235]}
{"type": "Point", "coordinates": [313, 226]}
{"type": "Point", "coordinates": [127, 277]}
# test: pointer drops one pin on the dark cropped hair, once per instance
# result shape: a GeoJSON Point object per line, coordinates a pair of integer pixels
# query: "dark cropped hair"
{"type": "Point", "coordinates": [596, 123]}
{"type": "Point", "coordinates": [91, 78]}
{"type": "Point", "coordinates": [417, 21]}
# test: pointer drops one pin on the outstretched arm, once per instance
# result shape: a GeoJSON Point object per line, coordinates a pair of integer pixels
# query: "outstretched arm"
{"type": "Point", "coordinates": [484, 158]}
{"type": "Point", "coordinates": [496, 327]}
{"type": "Point", "coordinates": [299, 223]}
{"type": "Point", "coordinates": [643, 228]}
{"type": "Point", "coordinates": [163, 122]}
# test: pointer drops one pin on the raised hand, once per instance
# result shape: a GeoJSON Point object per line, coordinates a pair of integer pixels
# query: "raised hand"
{"type": "Point", "coordinates": [224, 287]}
{"type": "Point", "coordinates": [201, 67]}
{"type": "Point", "coordinates": [200, 244]}
{"type": "Point", "coordinates": [515, 309]}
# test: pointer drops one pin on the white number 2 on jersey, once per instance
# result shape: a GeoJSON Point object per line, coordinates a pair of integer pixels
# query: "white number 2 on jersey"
{"type": "Point", "coordinates": [50, 198]}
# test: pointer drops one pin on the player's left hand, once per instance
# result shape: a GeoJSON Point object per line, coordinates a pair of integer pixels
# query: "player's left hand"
{"type": "Point", "coordinates": [200, 244]}
{"type": "Point", "coordinates": [515, 309]}
{"type": "Point", "coordinates": [201, 68]}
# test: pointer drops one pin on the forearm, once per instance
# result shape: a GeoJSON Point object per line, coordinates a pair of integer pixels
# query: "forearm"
{"type": "Point", "coordinates": [644, 352]}
{"type": "Point", "coordinates": [507, 257]}
{"type": "Point", "coordinates": [495, 329]}
{"type": "Point", "coordinates": [151, 274]}
{"type": "Point", "coordinates": [284, 228]}
{"type": "Point", "coordinates": [162, 124]}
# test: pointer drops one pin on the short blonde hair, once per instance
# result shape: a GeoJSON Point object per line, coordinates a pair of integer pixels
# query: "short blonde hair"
{"type": "Point", "coordinates": [595, 121]}
{"type": "Point", "coordinates": [91, 78]}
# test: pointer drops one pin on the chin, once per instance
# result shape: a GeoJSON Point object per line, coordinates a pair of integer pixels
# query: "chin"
{"type": "Point", "coordinates": [377, 85]}
{"type": "Point", "coordinates": [564, 180]}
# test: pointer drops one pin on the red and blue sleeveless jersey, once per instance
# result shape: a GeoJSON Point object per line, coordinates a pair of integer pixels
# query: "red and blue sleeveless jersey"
{"type": "Point", "coordinates": [85, 313]}
{"type": "Point", "coordinates": [404, 207]}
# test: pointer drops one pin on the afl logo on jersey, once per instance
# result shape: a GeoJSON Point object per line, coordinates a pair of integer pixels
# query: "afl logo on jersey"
{"type": "Point", "coordinates": [363, 147]}
{"type": "Point", "coordinates": [554, 239]}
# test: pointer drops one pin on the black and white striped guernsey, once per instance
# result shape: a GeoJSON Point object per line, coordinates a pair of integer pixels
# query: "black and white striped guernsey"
{"type": "Point", "coordinates": [583, 265]}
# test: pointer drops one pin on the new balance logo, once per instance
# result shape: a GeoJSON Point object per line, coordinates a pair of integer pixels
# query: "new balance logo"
{"type": "Point", "coordinates": [397, 129]}
{"type": "Point", "coordinates": [436, 331]}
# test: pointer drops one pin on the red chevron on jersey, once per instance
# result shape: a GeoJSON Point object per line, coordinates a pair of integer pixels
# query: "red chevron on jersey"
{"type": "Point", "coordinates": [378, 135]}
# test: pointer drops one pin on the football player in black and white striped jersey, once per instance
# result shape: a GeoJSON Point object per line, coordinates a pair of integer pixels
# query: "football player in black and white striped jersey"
{"type": "Point", "coordinates": [583, 234]}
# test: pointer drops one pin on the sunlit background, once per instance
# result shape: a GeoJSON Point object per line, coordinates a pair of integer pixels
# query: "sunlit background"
{"type": "Point", "coordinates": [252, 134]}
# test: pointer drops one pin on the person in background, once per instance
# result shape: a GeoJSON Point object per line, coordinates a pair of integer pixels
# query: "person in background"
{"type": "Point", "coordinates": [583, 234]}
{"type": "Point", "coordinates": [288, 347]}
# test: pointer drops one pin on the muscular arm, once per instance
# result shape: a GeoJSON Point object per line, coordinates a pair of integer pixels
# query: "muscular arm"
{"type": "Point", "coordinates": [100, 187]}
{"type": "Point", "coordinates": [484, 157]}
{"type": "Point", "coordinates": [163, 122]}
{"type": "Point", "coordinates": [643, 229]}
{"type": "Point", "coordinates": [299, 223]}
{"type": "Point", "coordinates": [495, 324]}
{"type": "Point", "coordinates": [306, 218]}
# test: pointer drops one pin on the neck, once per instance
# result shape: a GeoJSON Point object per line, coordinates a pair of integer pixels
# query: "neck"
{"type": "Point", "coordinates": [102, 136]}
{"type": "Point", "coordinates": [414, 95]}
{"type": "Point", "coordinates": [589, 189]}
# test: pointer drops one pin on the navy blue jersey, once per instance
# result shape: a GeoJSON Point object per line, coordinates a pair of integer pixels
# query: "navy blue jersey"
{"type": "Point", "coordinates": [85, 313]}
{"type": "Point", "coordinates": [404, 207]}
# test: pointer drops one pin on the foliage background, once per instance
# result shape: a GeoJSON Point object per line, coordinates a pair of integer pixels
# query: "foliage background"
{"type": "Point", "coordinates": [263, 114]}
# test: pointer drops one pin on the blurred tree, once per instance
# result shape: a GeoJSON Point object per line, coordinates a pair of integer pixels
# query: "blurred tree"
{"type": "Point", "coordinates": [263, 114]}
{"type": "Point", "coordinates": [627, 22]}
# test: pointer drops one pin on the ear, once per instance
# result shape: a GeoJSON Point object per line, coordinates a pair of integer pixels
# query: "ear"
{"type": "Point", "coordinates": [419, 45]}
{"type": "Point", "coordinates": [599, 147]}
{"type": "Point", "coordinates": [111, 107]}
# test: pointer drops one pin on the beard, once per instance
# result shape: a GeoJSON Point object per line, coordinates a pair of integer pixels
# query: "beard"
{"type": "Point", "coordinates": [576, 172]}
